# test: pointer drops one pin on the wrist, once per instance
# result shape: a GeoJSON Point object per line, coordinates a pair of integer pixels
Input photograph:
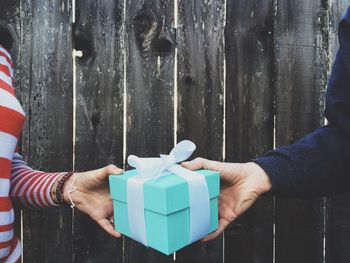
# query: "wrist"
{"type": "Point", "coordinates": [53, 189]}
{"type": "Point", "coordinates": [57, 190]}
{"type": "Point", "coordinates": [261, 178]}
{"type": "Point", "coordinates": [69, 193]}
{"type": "Point", "coordinates": [65, 189]}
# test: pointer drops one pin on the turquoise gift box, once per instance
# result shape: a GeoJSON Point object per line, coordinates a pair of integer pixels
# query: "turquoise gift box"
{"type": "Point", "coordinates": [166, 208]}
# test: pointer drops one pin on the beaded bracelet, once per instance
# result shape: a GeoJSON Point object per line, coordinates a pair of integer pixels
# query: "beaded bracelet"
{"type": "Point", "coordinates": [59, 187]}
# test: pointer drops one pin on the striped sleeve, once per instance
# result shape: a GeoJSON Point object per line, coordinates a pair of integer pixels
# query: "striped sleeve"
{"type": "Point", "coordinates": [30, 188]}
{"type": "Point", "coordinates": [11, 119]}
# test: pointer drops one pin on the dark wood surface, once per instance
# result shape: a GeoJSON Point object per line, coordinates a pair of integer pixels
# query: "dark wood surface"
{"type": "Point", "coordinates": [224, 70]}
{"type": "Point", "coordinates": [149, 55]}
{"type": "Point", "coordinates": [249, 118]}
{"type": "Point", "coordinates": [99, 113]}
{"type": "Point", "coordinates": [44, 84]}
{"type": "Point", "coordinates": [301, 78]}
{"type": "Point", "coordinates": [200, 95]}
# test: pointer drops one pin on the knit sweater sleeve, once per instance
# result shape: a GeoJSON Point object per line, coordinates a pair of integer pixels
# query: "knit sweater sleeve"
{"type": "Point", "coordinates": [317, 164]}
{"type": "Point", "coordinates": [30, 188]}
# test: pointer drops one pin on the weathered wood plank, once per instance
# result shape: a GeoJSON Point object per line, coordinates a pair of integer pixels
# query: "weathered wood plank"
{"type": "Point", "coordinates": [46, 91]}
{"type": "Point", "coordinates": [200, 83]}
{"type": "Point", "coordinates": [150, 45]}
{"type": "Point", "coordinates": [336, 9]}
{"type": "Point", "coordinates": [98, 33]}
{"type": "Point", "coordinates": [338, 211]}
{"type": "Point", "coordinates": [249, 118]}
{"type": "Point", "coordinates": [338, 229]}
{"type": "Point", "coordinates": [10, 27]}
{"type": "Point", "coordinates": [301, 75]}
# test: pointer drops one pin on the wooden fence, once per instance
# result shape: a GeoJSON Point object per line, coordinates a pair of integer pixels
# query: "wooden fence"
{"type": "Point", "coordinates": [238, 77]}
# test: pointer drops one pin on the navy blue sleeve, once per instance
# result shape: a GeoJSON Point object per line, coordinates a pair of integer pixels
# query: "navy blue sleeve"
{"type": "Point", "coordinates": [319, 163]}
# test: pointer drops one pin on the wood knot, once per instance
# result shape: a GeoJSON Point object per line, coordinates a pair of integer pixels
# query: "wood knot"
{"type": "Point", "coordinates": [84, 44]}
{"type": "Point", "coordinates": [6, 38]}
{"type": "Point", "coordinates": [163, 46]}
{"type": "Point", "coordinates": [145, 25]}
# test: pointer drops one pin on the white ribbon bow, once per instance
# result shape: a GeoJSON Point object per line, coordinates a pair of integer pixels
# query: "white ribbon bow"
{"type": "Point", "coordinates": [153, 168]}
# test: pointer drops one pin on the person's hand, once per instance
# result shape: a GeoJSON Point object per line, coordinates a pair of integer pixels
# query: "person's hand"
{"type": "Point", "coordinates": [241, 185]}
{"type": "Point", "coordinates": [92, 195]}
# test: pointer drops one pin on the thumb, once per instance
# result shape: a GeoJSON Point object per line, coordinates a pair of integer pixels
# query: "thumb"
{"type": "Point", "coordinates": [108, 227]}
{"type": "Point", "coordinates": [222, 225]}
{"type": "Point", "coordinates": [201, 163]}
{"type": "Point", "coordinates": [104, 172]}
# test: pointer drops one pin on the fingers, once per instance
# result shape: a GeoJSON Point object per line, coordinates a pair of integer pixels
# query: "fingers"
{"type": "Point", "coordinates": [195, 164]}
{"type": "Point", "coordinates": [112, 169]}
{"type": "Point", "coordinates": [104, 172]}
{"type": "Point", "coordinates": [200, 163]}
{"type": "Point", "coordinates": [222, 225]}
{"type": "Point", "coordinates": [108, 227]}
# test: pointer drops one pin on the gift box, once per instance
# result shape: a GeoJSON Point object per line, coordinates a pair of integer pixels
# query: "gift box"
{"type": "Point", "coordinates": [170, 206]}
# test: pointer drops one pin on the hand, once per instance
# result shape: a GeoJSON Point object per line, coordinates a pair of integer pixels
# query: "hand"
{"type": "Point", "coordinates": [92, 195]}
{"type": "Point", "coordinates": [241, 185]}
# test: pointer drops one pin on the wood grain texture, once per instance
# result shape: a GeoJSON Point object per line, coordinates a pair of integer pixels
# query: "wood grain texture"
{"type": "Point", "coordinates": [249, 118]}
{"type": "Point", "coordinates": [98, 33]}
{"type": "Point", "coordinates": [200, 83]}
{"type": "Point", "coordinates": [45, 66]}
{"type": "Point", "coordinates": [278, 57]}
{"type": "Point", "coordinates": [336, 9]}
{"type": "Point", "coordinates": [338, 211]}
{"type": "Point", "coordinates": [149, 94]}
{"type": "Point", "coordinates": [301, 78]}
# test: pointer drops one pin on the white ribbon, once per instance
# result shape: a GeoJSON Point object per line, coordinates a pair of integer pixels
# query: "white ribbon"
{"type": "Point", "coordinates": [153, 168]}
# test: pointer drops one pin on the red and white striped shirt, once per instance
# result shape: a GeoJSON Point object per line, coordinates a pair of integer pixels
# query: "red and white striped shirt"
{"type": "Point", "coordinates": [18, 182]}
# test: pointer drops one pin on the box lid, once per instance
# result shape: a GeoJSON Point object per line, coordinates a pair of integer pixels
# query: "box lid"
{"type": "Point", "coordinates": [167, 194]}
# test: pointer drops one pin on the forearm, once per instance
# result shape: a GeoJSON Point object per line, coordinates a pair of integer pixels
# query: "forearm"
{"type": "Point", "coordinates": [317, 164]}
{"type": "Point", "coordinates": [31, 188]}
{"type": "Point", "coordinates": [314, 166]}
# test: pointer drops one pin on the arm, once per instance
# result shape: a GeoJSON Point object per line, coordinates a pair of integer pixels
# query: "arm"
{"type": "Point", "coordinates": [31, 188]}
{"type": "Point", "coordinates": [317, 164]}
{"type": "Point", "coordinates": [36, 189]}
